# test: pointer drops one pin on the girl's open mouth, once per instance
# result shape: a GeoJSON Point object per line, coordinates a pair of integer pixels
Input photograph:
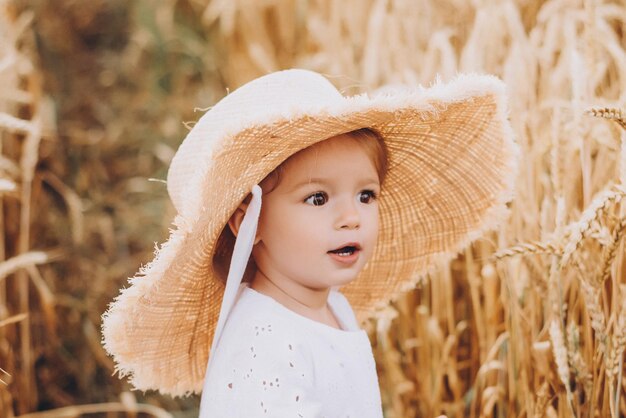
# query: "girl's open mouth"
{"type": "Point", "coordinates": [347, 254]}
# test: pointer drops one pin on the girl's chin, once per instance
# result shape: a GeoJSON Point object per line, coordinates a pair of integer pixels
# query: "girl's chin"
{"type": "Point", "coordinates": [344, 279]}
{"type": "Point", "coordinates": [332, 280]}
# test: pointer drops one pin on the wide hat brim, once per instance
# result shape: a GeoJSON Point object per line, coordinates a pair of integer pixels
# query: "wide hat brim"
{"type": "Point", "coordinates": [452, 166]}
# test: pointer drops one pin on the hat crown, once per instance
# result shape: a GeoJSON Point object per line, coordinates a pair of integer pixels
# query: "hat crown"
{"type": "Point", "coordinates": [276, 96]}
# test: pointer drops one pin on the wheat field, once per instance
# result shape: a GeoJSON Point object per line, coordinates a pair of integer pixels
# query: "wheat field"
{"type": "Point", "coordinates": [528, 321]}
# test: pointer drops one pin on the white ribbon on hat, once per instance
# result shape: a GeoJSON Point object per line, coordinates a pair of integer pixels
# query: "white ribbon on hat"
{"type": "Point", "coordinates": [241, 254]}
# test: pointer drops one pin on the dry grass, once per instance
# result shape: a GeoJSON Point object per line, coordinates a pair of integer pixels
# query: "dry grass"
{"type": "Point", "coordinates": [528, 321]}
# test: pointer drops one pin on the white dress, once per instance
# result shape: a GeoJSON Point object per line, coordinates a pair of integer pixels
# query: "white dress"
{"type": "Point", "coordinates": [273, 362]}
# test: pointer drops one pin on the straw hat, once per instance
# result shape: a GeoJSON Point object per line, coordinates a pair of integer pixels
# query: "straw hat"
{"type": "Point", "coordinates": [452, 164]}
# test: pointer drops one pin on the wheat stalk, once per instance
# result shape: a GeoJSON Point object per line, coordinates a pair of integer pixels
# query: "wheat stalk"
{"type": "Point", "coordinates": [598, 322]}
{"type": "Point", "coordinates": [13, 124]}
{"type": "Point", "coordinates": [560, 355]}
{"type": "Point", "coordinates": [534, 247]}
{"type": "Point", "coordinates": [611, 249]}
{"type": "Point", "coordinates": [620, 344]}
{"type": "Point", "coordinates": [579, 230]}
{"type": "Point", "coordinates": [576, 360]}
{"type": "Point", "coordinates": [12, 320]}
{"type": "Point", "coordinates": [24, 260]}
{"type": "Point", "coordinates": [543, 397]}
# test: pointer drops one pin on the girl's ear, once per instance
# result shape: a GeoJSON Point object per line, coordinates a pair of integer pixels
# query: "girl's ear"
{"type": "Point", "coordinates": [234, 223]}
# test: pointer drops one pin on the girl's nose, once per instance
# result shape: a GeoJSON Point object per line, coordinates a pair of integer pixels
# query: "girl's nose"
{"type": "Point", "coordinates": [348, 216]}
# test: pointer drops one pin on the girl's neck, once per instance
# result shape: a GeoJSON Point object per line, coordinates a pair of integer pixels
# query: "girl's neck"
{"type": "Point", "coordinates": [311, 303]}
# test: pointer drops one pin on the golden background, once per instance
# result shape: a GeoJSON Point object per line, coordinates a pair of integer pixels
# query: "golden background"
{"type": "Point", "coordinates": [95, 97]}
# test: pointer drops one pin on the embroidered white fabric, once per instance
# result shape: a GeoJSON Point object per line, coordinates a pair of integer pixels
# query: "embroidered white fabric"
{"type": "Point", "coordinates": [273, 362]}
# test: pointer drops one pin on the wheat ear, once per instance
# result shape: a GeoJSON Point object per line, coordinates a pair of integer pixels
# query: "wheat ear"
{"type": "Point", "coordinates": [611, 113]}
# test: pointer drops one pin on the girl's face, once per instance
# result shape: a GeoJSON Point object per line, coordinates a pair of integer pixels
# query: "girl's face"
{"type": "Point", "coordinates": [319, 226]}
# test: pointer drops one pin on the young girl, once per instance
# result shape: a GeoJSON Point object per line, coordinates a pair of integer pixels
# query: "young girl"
{"type": "Point", "coordinates": [361, 194]}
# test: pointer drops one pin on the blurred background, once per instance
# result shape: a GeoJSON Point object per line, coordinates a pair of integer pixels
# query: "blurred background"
{"type": "Point", "coordinates": [95, 98]}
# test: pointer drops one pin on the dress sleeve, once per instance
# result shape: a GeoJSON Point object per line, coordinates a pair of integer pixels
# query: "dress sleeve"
{"type": "Point", "coordinates": [262, 370]}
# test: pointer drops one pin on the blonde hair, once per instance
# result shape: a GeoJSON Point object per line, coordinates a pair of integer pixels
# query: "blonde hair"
{"type": "Point", "coordinates": [373, 145]}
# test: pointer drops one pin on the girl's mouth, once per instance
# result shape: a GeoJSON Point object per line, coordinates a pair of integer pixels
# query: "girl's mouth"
{"type": "Point", "coordinates": [347, 254]}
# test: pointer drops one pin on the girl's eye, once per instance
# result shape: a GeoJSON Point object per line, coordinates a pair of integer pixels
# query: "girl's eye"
{"type": "Point", "coordinates": [317, 199]}
{"type": "Point", "coordinates": [366, 196]}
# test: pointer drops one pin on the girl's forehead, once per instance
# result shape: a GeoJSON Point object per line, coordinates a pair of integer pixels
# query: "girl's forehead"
{"type": "Point", "coordinates": [336, 158]}
{"type": "Point", "coordinates": [325, 151]}
{"type": "Point", "coordinates": [322, 156]}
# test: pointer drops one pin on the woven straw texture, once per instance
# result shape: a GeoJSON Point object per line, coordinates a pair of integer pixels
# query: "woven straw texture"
{"type": "Point", "coordinates": [452, 163]}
